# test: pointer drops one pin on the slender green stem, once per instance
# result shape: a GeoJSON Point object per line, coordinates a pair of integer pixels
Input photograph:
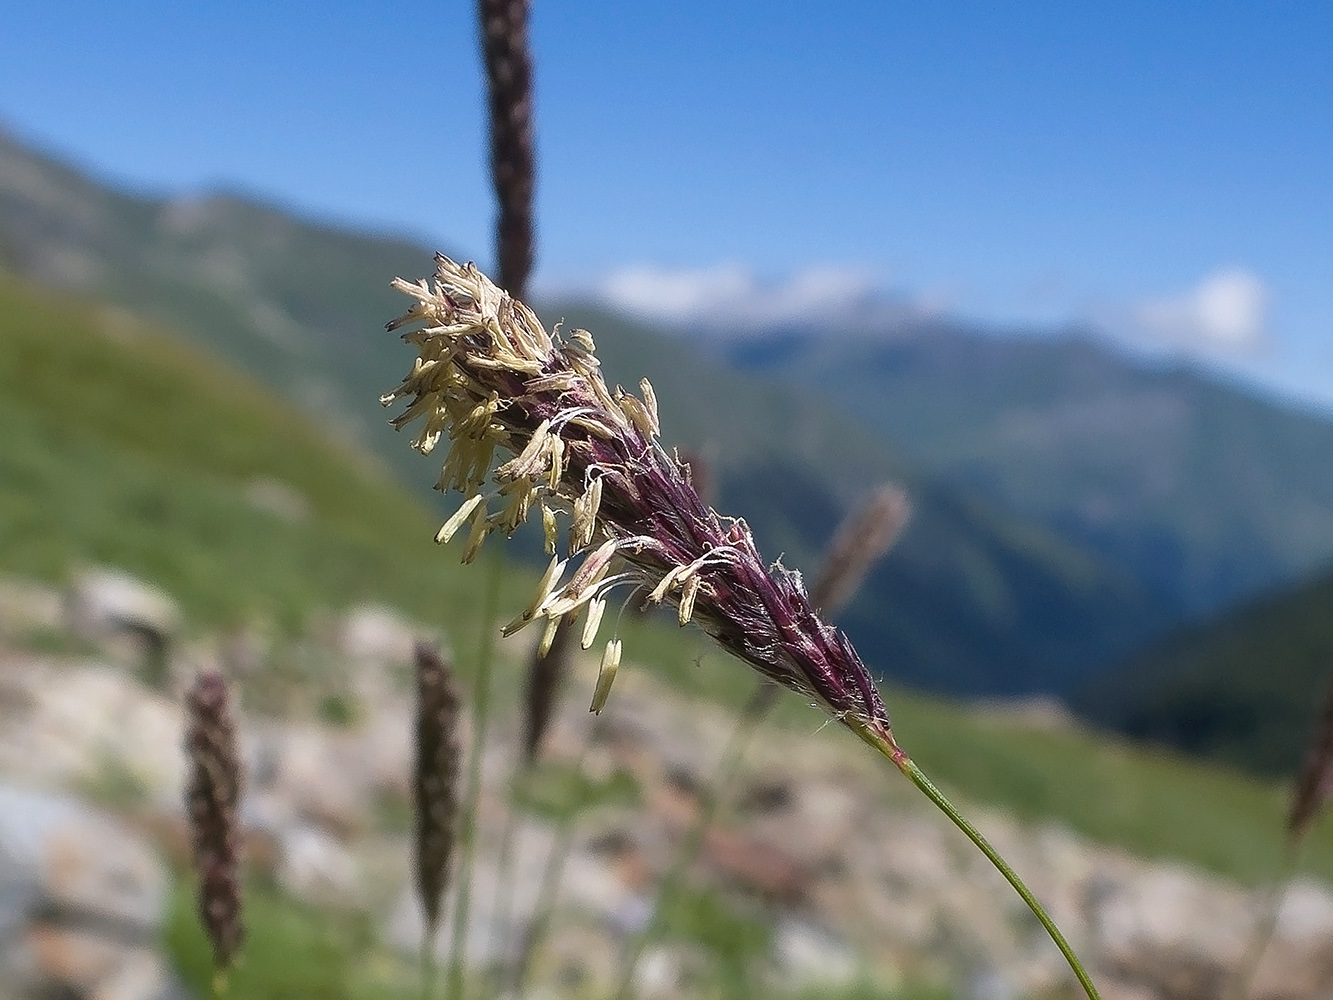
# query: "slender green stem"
{"type": "Point", "coordinates": [502, 912]}
{"type": "Point", "coordinates": [544, 908]}
{"type": "Point", "coordinates": [886, 746]}
{"type": "Point", "coordinates": [1271, 907]}
{"type": "Point", "coordinates": [428, 963]}
{"type": "Point", "coordinates": [468, 833]}
{"type": "Point", "coordinates": [733, 754]}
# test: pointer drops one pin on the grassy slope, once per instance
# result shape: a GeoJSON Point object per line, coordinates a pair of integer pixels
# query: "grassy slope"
{"type": "Point", "coordinates": [121, 446]}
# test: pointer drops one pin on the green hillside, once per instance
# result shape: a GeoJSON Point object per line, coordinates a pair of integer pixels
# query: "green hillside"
{"type": "Point", "coordinates": [973, 601]}
{"type": "Point", "coordinates": [123, 447]}
{"type": "Point", "coordinates": [1244, 690]}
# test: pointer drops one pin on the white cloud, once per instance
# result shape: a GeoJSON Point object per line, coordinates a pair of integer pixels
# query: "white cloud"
{"type": "Point", "coordinates": [1227, 310]}
{"type": "Point", "coordinates": [730, 296]}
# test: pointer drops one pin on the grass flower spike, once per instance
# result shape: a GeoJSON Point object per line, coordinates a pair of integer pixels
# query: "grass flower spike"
{"type": "Point", "coordinates": [212, 799]}
{"type": "Point", "coordinates": [587, 456]}
{"type": "Point", "coordinates": [435, 778]}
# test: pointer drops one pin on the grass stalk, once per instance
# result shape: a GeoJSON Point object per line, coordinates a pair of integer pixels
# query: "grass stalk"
{"type": "Point", "coordinates": [545, 676]}
{"type": "Point", "coordinates": [582, 451]}
{"type": "Point", "coordinates": [908, 767]}
{"type": "Point", "coordinates": [733, 754]}
{"type": "Point", "coordinates": [481, 701]}
{"type": "Point", "coordinates": [1270, 907]}
{"type": "Point", "coordinates": [429, 967]}
{"type": "Point", "coordinates": [549, 887]}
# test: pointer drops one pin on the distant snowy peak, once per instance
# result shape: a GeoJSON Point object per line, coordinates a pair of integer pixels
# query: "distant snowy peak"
{"type": "Point", "coordinates": [730, 299]}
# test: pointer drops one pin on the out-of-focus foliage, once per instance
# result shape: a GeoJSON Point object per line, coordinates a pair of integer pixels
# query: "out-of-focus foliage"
{"type": "Point", "coordinates": [1244, 690]}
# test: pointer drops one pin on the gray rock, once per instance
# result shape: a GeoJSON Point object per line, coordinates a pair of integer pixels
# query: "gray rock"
{"type": "Point", "coordinates": [104, 601]}
{"type": "Point", "coordinates": [81, 903]}
{"type": "Point", "coordinates": [808, 955]}
{"type": "Point", "coordinates": [315, 867]}
{"type": "Point", "coordinates": [1299, 959]}
{"type": "Point", "coordinates": [1169, 928]}
{"type": "Point", "coordinates": [278, 498]}
{"type": "Point", "coordinates": [374, 632]}
{"type": "Point", "coordinates": [68, 726]}
{"type": "Point", "coordinates": [76, 861]}
{"type": "Point", "coordinates": [125, 614]}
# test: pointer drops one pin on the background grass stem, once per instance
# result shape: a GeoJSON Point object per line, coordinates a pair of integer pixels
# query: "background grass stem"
{"type": "Point", "coordinates": [549, 886]}
{"type": "Point", "coordinates": [733, 754]}
{"type": "Point", "coordinates": [481, 700]}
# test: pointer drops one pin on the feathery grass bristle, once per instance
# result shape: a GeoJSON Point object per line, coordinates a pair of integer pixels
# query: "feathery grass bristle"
{"type": "Point", "coordinates": [490, 377]}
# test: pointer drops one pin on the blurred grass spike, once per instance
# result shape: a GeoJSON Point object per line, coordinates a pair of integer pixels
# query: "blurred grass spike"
{"type": "Point", "coordinates": [212, 798]}
{"type": "Point", "coordinates": [505, 51]}
{"type": "Point", "coordinates": [550, 664]}
{"type": "Point", "coordinates": [1316, 780]}
{"type": "Point", "coordinates": [435, 779]}
{"type": "Point", "coordinates": [861, 540]}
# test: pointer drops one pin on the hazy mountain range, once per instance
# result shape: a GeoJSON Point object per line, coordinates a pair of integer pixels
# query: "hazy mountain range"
{"type": "Point", "coordinates": [1201, 491]}
{"type": "Point", "coordinates": [1068, 505]}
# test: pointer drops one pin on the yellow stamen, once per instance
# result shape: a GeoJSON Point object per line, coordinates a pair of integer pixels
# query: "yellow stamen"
{"type": "Point", "coordinates": [592, 621]}
{"type": "Point", "coordinates": [452, 525]}
{"type": "Point", "coordinates": [605, 676]}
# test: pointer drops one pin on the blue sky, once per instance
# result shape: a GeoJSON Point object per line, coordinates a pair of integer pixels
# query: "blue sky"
{"type": "Point", "coordinates": [1158, 170]}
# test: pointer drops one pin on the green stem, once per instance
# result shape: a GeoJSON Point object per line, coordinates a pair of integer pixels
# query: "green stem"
{"type": "Point", "coordinates": [885, 744]}
{"type": "Point", "coordinates": [468, 833]}
{"type": "Point", "coordinates": [502, 911]}
{"type": "Point", "coordinates": [1271, 907]}
{"type": "Point", "coordinates": [549, 886]}
{"type": "Point", "coordinates": [428, 964]}
{"type": "Point", "coordinates": [733, 755]}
